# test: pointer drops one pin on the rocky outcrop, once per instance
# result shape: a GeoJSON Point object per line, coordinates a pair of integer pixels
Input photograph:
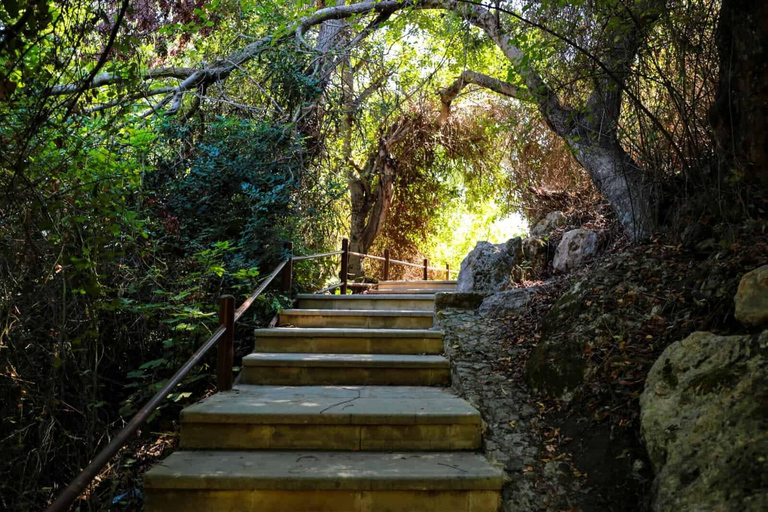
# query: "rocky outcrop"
{"type": "Point", "coordinates": [752, 298]}
{"type": "Point", "coordinates": [491, 267]}
{"type": "Point", "coordinates": [552, 221]}
{"type": "Point", "coordinates": [704, 414]}
{"type": "Point", "coordinates": [576, 248]}
{"type": "Point", "coordinates": [505, 303]}
{"type": "Point", "coordinates": [536, 255]}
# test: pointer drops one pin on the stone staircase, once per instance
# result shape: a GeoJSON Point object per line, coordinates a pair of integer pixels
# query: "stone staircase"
{"type": "Point", "coordinates": [343, 407]}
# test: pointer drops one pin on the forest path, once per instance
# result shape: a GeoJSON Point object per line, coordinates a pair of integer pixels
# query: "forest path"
{"type": "Point", "coordinates": [343, 407]}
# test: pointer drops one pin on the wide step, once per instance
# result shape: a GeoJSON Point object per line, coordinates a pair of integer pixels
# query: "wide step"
{"type": "Point", "coordinates": [408, 291]}
{"type": "Point", "coordinates": [398, 301]}
{"type": "Point", "coordinates": [349, 341]}
{"type": "Point", "coordinates": [345, 369]}
{"type": "Point", "coordinates": [360, 319]}
{"type": "Point", "coordinates": [444, 286]}
{"type": "Point", "coordinates": [323, 481]}
{"type": "Point", "coordinates": [332, 418]}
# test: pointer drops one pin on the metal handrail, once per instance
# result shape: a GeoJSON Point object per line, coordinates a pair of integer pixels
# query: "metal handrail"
{"type": "Point", "coordinates": [407, 263]}
{"type": "Point", "coordinates": [78, 485]}
{"type": "Point", "coordinates": [313, 256]}
{"type": "Point", "coordinates": [245, 305]}
{"type": "Point", "coordinates": [361, 255]}
{"type": "Point", "coordinates": [369, 256]}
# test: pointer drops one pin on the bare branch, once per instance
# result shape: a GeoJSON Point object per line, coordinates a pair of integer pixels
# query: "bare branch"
{"type": "Point", "coordinates": [450, 93]}
{"type": "Point", "coordinates": [114, 78]}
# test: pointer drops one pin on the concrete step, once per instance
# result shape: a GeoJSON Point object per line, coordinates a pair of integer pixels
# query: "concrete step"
{"type": "Point", "coordinates": [357, 318]}
{"type": "Point", "coordinates": [332, 418]}
{"type": "Point", "coordinates": [349, 341]}
{"type": "Point", "coordinates": [298, 481]}
{"type": "Point", "coordinates": [408, 291]}
{"type": "Point", "coordinates": [302, 369]}
{"type": "Point", "coordinates": [421, 302]}
{"type": "Point", "coordinates": [445, 286]}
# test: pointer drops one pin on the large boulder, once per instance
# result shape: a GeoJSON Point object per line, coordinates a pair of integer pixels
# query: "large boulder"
{"type": "Point", "coordinates": [575, 249]}
{"type": "Point", "coordinates": [505, 303]}
{"type": "Point", "coordinates": [704, 419]}
{"type": "Point", "coordinates": [491, 267]}
{"type": "Point", "coordinates": [752, 298]}
{"type": "Point", "coordinates": [552, 221]}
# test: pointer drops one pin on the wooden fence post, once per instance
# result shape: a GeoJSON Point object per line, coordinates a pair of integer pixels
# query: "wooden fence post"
{"type": "Point", "coordinates": [447, 271]}
{"type": "Point", "coordinates": [426, 269]}
{"type": "Point", "coordinates": [286, 276]}
{"type": "Point", "coordinates": [226, 347]}
{"type": "Point", "coordinates": [386, 265]}
{"type": "Point", "coordinates": [344, 265]}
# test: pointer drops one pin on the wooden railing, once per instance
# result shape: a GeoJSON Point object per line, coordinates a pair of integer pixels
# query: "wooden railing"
{"type": "Point", "coordinates": [224, 335]}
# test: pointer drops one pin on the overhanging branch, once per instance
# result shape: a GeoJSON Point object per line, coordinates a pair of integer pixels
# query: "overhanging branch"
{"type": "Point", "coordinates": [450, 93]}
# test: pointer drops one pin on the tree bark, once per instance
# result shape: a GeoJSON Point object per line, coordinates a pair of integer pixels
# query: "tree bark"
{"type": "Point", "coordinates": [370, 197]}
{"type": "Point", "coordinates": [740, 113]}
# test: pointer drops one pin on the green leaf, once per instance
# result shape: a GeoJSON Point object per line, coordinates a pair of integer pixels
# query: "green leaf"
{"type": "Point", "coordinates": [155, 363]}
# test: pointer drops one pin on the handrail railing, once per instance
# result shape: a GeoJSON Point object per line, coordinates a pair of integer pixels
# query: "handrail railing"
{"type": "Point", "coordinates": [225, 334]}
{"type": "Point", "coordinates": [406, 263]}
{"type": "Point", "coordinates": [314, 256]}
{"type": "Point", "coordinates": [344, 274]}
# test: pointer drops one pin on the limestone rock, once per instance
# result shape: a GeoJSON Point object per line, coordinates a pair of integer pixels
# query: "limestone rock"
{"type": "Point", "coordinates": [505, 303]}
{"type": "Point", "coordinates": [752, 297]}
{"type": "Point", "coordinates": [451, 300]}
{"type": "Point", "coordinates": [491, 267]}
{"type": "Point", "coordinates": [704, 419]}
{"type": "Point", "coordinates": [576, 247]}
{"type": "Point", "coordinates": [536, 253]}
{"type": "Point", "coordinates": [553, 220]}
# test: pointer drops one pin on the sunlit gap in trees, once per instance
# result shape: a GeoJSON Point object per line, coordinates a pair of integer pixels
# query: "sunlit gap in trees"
{"type": "Point", "coordinates": [464, 228]}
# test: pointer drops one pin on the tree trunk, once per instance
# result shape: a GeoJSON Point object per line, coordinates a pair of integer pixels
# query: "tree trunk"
{"type": "Point", "coordinates": [370, 197]}
{"type": "Point", "coordinates": [621, 182]}
{"type": "Point", "coordinates": [360, 209]}
{"type": "Point", "coordinates": [740, 113]}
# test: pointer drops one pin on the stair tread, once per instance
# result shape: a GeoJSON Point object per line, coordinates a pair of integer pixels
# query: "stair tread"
{"type": "Point", "coordinates": [347, 332]}
{"type": "Point", "coordinates": [409, 291]}
{"type": "Point", "coordinates": [353, 405]}
{"type": "Point", "coordinates": [433, 282]}
{"type": "Point", "coordinates": [345, 360]}
{"type": "Point", "coordinates": [358, 312]}
{"type": "Point", "coordinates": [394, 296]}
{"type": "Point", "coordinates": [294, 470]}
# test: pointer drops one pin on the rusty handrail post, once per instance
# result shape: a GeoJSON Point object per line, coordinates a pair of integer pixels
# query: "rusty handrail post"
{"type": "Point", "coordinates": [286, 277]}
{"type": "Point", "coordinates": [226, 347]}
{"type": "Point", "coordinates": [447, 271]}
{"type": "Point", "coordinates": [344, 265]}
{"type": "Point", "coordinates": [386, 265]}
{"type": "Point", "coordinates": [426, 269]}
